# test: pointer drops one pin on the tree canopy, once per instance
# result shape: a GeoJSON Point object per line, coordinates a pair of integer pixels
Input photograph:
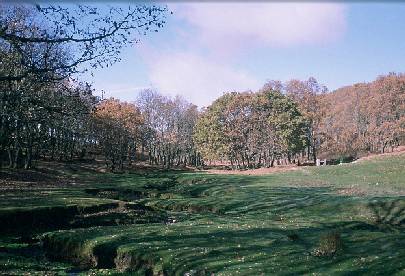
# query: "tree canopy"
{"type": "Point", "coordinates": [251, 129]}
{"type": "Point", "coordinates": [52, 41]}
{"type": "Point", "coordinates": [46, 112]}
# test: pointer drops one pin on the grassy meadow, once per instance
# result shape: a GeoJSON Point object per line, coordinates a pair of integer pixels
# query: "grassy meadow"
{"type": "Point", "coordinates": [343, 219]}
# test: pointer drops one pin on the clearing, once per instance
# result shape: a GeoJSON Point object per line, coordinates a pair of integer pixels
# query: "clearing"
{"type": "Point", "coordinates": [322, 220]}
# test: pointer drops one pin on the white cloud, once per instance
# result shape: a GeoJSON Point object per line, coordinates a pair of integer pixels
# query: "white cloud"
{"type": "Point", "coordinates": [196, 61]}
{"type": "Point", "coordinates": [226, 26]}
{"type": "Point", "coordinates": [198, 79]}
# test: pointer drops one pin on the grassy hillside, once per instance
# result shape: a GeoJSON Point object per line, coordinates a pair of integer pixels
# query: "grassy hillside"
{"type": "Point", "coordinates": [347, 219]}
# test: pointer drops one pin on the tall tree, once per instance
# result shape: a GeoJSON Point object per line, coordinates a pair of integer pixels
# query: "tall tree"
{"type": "Point", "coordinates": [306, 95]}
{"type": "Point", "coordinates": [168, 129]}
{"type": "Point", "coordinates": [44, 112]}
{"type": "Point", "coordinates": [116, 127]}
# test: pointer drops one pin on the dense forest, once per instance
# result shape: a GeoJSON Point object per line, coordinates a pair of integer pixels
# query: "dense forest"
{"type": "Point", "coordinates": [46, 113]}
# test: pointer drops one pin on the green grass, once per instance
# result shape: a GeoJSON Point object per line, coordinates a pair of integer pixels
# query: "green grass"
{"type": "Point", "coordinates": [223, 224]}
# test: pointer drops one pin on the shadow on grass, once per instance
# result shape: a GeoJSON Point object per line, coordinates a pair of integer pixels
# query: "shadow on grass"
{"type": "Point", "coordinates": [265, 250]}
{"type": "Point", "coordinates": [390, 213]}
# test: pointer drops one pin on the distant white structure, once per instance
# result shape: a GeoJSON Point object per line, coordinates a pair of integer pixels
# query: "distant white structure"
{"type": "Point", "coordinates": [320, 162]}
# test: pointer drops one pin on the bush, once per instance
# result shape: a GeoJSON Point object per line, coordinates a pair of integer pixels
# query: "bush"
{"type": "Point", "coordinates": [329, 244]}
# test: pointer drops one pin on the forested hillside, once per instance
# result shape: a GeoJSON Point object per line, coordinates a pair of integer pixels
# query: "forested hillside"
{"type": "Point", "coordinates": [365, 117]}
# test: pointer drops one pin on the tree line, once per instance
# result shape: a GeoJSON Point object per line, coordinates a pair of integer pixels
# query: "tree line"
{"type": "Point", "coordinates": [299, 121]}
{"type": "Point", "coordinates": [155, 127]}
{"type": "Point", "coordinates": [46, 112]}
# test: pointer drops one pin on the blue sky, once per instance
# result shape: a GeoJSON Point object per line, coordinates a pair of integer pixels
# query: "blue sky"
{"type": "Point", "coordinates": [207, 49]}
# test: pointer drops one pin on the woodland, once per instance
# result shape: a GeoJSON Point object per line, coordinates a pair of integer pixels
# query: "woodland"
{"type": "Point", "coordinates": [100, 186]}
{"type": "Point", "coordinates": [47, 113]}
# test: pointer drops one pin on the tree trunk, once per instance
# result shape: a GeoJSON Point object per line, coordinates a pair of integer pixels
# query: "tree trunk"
{"type": "Point", "coordinates": [28, 158]}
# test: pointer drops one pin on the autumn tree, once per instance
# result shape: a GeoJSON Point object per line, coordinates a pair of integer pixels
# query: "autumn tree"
{"type": "Point", "coordinates": [307, 95]}
{"type": "Point", "coordinates": [116, 128]}
{"type": "Point", "coordinates": [251, 129]}
{"type": "Point", "coordinates": [365, 117]}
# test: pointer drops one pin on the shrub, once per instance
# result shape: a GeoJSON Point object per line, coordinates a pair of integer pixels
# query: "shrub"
{"type": "Point", "coordinates": [329, 244]}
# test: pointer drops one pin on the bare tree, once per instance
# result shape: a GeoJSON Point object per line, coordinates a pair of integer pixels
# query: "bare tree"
{"type": "Point", "coordinates": [79, 34]}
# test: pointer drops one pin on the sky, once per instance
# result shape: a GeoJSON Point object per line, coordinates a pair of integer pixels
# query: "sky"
{"type": "Point", "coordinates": [207, 49]}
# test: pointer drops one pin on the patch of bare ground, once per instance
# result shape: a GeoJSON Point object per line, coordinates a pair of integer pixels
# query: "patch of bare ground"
{"type": "Point", "coordinates": [396, 151]}
{"type": "Point", "coordinates": [352, 191]}
{"type": "Point", "coordinates": [259, 171]}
